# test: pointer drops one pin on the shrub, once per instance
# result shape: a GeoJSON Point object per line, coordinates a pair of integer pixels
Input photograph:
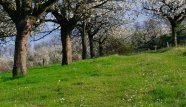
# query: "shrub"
{"type": "Point", "coordinates": [116, 46]}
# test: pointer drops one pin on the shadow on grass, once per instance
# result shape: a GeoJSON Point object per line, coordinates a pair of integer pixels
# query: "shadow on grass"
{"type": "Point", "coordinates": [40, 67]}
{"type": "Point", "coordinates": [159, 51]}
{"type": "Point", "coordinates": [8, 78]}
{"type": "Point", "coordinates": [183, 54]}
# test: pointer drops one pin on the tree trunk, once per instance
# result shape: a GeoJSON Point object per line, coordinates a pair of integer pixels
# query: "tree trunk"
{"type": "Point", "coordinates": [66, 47]}
{"type": "Point", "coordinates": [84, 44]}
{"type": "Point", "coordinates": [20, 54]}
{"type": "Point", "coordinates": [100, 49]}
{"type": "Point", "coordinates": [174, 36]}
{"type": "Point", "coordinates": [91, 46]}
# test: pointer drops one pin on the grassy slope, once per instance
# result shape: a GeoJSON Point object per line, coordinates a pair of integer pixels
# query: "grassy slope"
{"type": "Point", "coordinates": [147, 79]}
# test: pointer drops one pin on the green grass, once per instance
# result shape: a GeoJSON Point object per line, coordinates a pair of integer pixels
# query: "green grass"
{"type": "Point", "coordinates": [150, 79]}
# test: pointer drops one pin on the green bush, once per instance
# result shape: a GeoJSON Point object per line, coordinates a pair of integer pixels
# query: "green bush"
{"type": "Point", "coordinates": [116, 46]}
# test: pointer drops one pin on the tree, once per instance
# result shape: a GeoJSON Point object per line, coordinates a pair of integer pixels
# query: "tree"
{"type": "Point", "coordinates": [146, 35]}
{"type": "Point", "coordinates": [153, 31]}
{"type": "Point", "coordinates": [68, 13]}
{"type": "Point", "coordinates": [25, 14]}
{"type": "Point", "coordinates": [99, 19]}
{"type": "Point", "coordinates": [93, 27]}
{"type": "Point", "coordinates": [172, 10]}
{"type": "Point", "coordinates": [82, 29]}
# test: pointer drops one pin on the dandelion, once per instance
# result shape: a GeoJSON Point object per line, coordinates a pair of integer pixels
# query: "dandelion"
{"type": "Point", "coordinates": [58, 82]}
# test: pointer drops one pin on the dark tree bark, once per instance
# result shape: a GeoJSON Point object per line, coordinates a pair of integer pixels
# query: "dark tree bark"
{"type": "Point", "coordinates": [91, 44]}
{"type": "Point", "coordinates": [66, 47]}
{"type": "Point", "coordinates": [101, 42]}
{"type": "Point", "coordinates": [101, 49]}
{"type": "Point", "coordinates": [84, 42]}
{"type": "Point", "coordinates": [174, 35]}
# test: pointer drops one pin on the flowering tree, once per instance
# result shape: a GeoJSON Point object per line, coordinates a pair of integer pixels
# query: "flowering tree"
{"type": "Point", "coordinates": [67, 14]}
{"type": "Point", "coordinates": [101, 19]}
{"type": "Point", "coordinates": [25, 14]}
{"type": "Point", "coordinates": [172, 10]}
{"type": "Point", "coordinates": [7, 27]}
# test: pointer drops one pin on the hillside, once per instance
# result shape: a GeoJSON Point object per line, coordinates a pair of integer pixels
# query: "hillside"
{"type": "Point", "coordinates": [155, 79]}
